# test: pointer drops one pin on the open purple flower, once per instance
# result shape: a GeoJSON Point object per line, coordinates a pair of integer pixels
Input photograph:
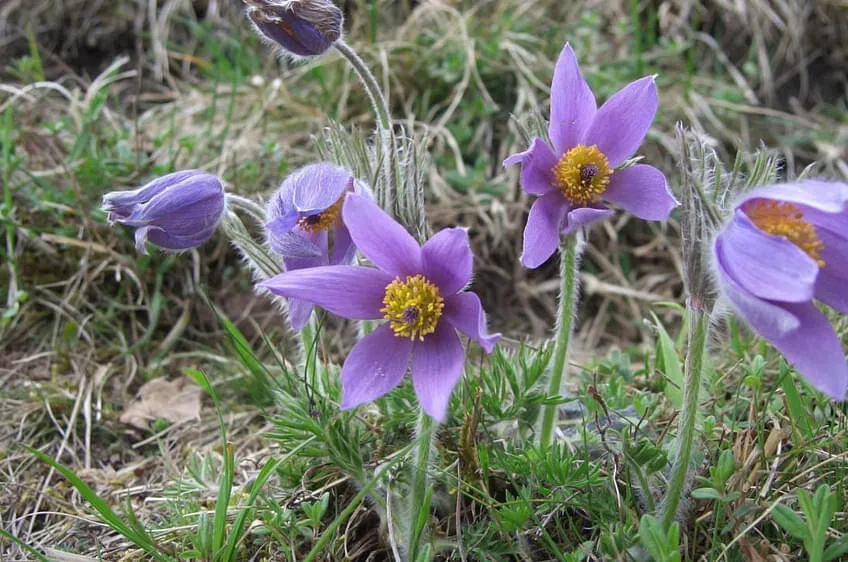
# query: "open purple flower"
{"type": "Point", "coordinates": [176, 212]}
{"type": "Point", "coordinates": [784, 246]}
{"type": "Point", "coordinates": [304, 219]}
{"type": "Point", "coordinates": [303, 28]}
{"type": "Point", "coordinates": [418, 290]}
{"type": "Point", "coordinates": [578, 172]}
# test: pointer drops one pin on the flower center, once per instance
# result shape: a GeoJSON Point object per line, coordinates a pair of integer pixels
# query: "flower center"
{"type": "Point", "coordinates": [786, 220]}
{"type": "Point", "coordinates": [412, 307]}
{"type": "Point", "coordinates": [582, 174]}
{"type": "Point", "coordinates": [323, 220]}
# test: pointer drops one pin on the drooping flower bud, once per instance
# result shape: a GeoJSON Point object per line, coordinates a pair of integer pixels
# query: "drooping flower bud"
{"type": "Point", "coordinates": [175, 212]}
{"type": "Point", "coordinates": [304, 28]}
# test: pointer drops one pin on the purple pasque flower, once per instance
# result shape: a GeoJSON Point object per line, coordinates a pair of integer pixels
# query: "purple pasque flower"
{"type": "Point", "coordinates": [304, 219]}
{"type": "Point", "coordinates": [418, 290]}
{"type": "Point", "coordinates": [784, 246]}
{"type": "Point", "coordinates": [303, 28]}
{"type": "Point", "coordinates": [176, 212]}
{"type": "Point", "coordinates": [578, 172]}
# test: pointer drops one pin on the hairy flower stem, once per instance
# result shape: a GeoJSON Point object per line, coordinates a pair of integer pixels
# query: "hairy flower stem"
{"type": "Point", "coordinates": [389, 197]}
{"type": "Point", "coordinates": [420, 506]}
{"type": "Point", "coordinates": [263, 263]}
{"type": "Point", "coordinates": [249, 206]}
{"type": "Point", "coordinates": [696, 347]}
{"type": "Point", "coordinates": [569, 257]}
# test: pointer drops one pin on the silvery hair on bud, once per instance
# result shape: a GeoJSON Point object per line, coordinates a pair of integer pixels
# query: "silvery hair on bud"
{"type": "Point", "coordinates": [302, 28]}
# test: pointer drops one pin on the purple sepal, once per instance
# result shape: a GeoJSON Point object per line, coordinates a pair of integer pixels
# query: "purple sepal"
{"type": "Point", "coordinates": [175, 212]}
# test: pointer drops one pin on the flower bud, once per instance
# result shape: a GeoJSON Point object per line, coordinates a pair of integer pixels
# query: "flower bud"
{"type": "Point", "coordinates": [303, 28]}
{"type": "Point", "coordinates": [175, 212]}
{"type": "Point", "coordinates": [700, 169]}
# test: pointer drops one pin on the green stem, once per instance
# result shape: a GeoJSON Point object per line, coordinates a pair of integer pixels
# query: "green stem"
{"type": "Point", "coordinates": [388, 143]}
{"type": "Point", "coordinates": [249, 206]}
{"type": "Point", "coordinates": [420, 505]}
{"type": "Point", "coordinates": [698, 333]}
{"type": "Point", "coordinates": [264, 262]}
{"type": "Point", "coordinates": [567, 303]}
{"type": "Point", "coordinates": [8, 204]}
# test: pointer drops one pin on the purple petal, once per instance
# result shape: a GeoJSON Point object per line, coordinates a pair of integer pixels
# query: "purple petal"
{"type": "Point", "coordinates": [572, 103]}
{"type": "Point", "coordinates": [824, 196]}
{"type": "Point", "coordinates": [767, 319]}
{"type": "Point", "coordinates": [466, 314]}
{"type": "Point", "coordinates": [620, 125]}
{"type": "Point", "coordinates": [815, 351]}
{"type": "Point", "coordinates": [295, 34]}
{"type": "Point", "coordinates": [345, 290]}
{"type": "Point", "coordinates": [541, 235]}
{"type": "Point", "coordinates": [767, 266]}
{"type": "Point", "coordinates": [199, 198]}
{"type": "Point", "coordinates": [141, 235]}
{"type": "Point", "coordinates": [584, 216]}
{"type": "Point", "coordinates": [118, 199]}
{"type": "Point", "coordinates": [834, 222]}
{"type": "Point", "coordinates": [317, 187]}
{"type": "Point", "coordinates": [447, 260]}
{"type": "Point", "coordinates": [281, 224]}
{"type": "Point", "coordinates": [281, 206]}
{"type": "Point", "coordinates": [641, 190]}
{"type": "Point", "coordinates": [831, 290]}
{"type": "Point", "coordinates": [537, 162]}
{"type": "Point", "coordinates": [294, 243]}
{"type": "Point", "coordinates": [374, 366]}
{"type": "Point", "coordinates": [300, 310]}
{"type": "Point", "coordinates": [167, 241]}
{"type": "Point", "coordinates": [824, 204]}
{"type": "Point", "coordinates": [383, 241]}
{"type": "Point", "coordinates": [832, 281]}
{"type": "Point", "coordinates": [436, 368]}
{"type": "Point", "coordinates": [299, 313]}
{"type": "Point", "coordinates": [343, 246]}
{"type": "Point", "coordinates": [295, 263]}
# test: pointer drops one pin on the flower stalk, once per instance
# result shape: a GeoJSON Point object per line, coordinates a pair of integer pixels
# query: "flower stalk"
{"type": "Point", "coordinates": [249, 206]}
{"type": "Point", "coordinates": [420, 506]}
{"type": "Point", "coordinates": [257, 256]}
{"type": "Point", "coordinates": [388, 197]}
{"type": "Point", "coordinates": [697, 337]}
{"type": "Point", "coordinates": [570, 258]}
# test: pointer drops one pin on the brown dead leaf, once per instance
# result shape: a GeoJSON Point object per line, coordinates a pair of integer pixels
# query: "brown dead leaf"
{"type": "Point", "coordinates": [750, 552]}
{"type": "Point", "coordinates": [174, 401]}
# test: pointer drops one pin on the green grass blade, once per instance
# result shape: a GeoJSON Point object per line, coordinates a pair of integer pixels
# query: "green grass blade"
{"type": "Point", "coordinates": [9, 536]}
{"type": "Point", "coordinates": [354, 504]}
{"type": "Point", "coordinates": [108, 515]}
{"type": "Point", "coordinates": [225, 489]}
{"type": "Point", "coordinates": [231, 548]}
{"type": "Point", "coordinates": [668, 362]}
{"type": "Point", "coordinates": [798, 413]}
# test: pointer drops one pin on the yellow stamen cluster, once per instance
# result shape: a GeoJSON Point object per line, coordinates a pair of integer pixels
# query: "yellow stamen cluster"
{"type": "Point", "coordinates": [582, 174]}
{"type": "Point", "coordinates": [323, 220]}
{"type": "Point", "coordinates": [412, 307]}
{"type": "Point", "coordinates": [787, 220]}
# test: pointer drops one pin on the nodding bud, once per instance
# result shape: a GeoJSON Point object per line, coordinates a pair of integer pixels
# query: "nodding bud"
{"type": "Point", "coordinates": [176, 212]}
{"type": "Point", "coordinates": [304, 28]}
